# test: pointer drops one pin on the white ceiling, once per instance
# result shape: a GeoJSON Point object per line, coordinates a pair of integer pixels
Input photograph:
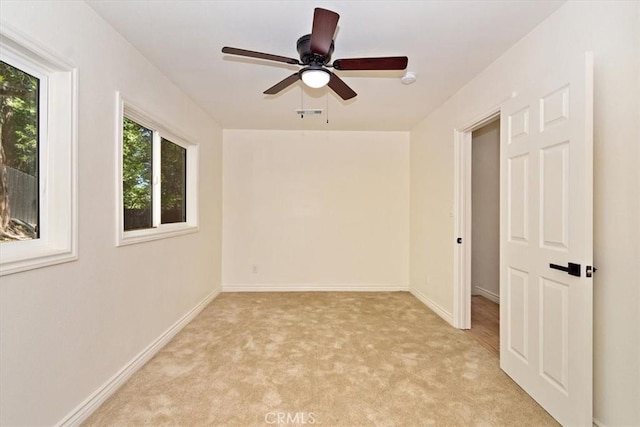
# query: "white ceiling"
{"type": "Point", "coordinates": [447, 42]}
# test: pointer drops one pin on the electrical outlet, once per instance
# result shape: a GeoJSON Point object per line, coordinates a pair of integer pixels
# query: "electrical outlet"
{"type": "Point", "coordinates": [254, 269]}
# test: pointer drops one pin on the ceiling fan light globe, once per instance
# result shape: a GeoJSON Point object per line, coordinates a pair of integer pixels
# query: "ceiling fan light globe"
{"type": "Point", "coordinates": [316, 78]}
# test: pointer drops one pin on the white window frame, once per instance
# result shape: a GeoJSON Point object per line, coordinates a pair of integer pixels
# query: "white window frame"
{"type": "Point", "coordinates": [57, 156]}
{"type": "Point", "coordinates": [158, 230]}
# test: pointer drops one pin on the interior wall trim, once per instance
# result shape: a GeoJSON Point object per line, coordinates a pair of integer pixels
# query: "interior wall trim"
{"type": "Point", "coordinates": [437, 308]}
{"type": "Point", "coordinates": [598, 423]}
{"type": "Point", "coordinates": [492, 296]}
{"type": "Point", "coordinates": [98, 397]}
{"type": "Point", "coordinates": [314, 287]}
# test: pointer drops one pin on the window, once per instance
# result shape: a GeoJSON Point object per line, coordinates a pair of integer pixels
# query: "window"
{"type": "Point", "coordinates": [18, 154]}
{"type": "Point", "coordinates": [159, 172]}
{"type": "Point", "coordinates": [173, 180]}
{"type": "Point", "coordinates": [137, 168]}
{"type": "Point", "coordinates": [37, 156]}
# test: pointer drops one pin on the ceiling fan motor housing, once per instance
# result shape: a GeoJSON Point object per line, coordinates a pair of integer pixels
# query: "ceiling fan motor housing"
{"type": "Point", "coordinates": [307, 57]}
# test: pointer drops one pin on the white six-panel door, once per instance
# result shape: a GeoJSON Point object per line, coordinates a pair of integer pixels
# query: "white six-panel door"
{"type": "Point", "coordinates": [546, 218]}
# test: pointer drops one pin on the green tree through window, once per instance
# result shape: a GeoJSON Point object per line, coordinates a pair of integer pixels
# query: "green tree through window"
{"type": "Point", "coordinates": [18, 154]}
{"type": "Point", "coordinates": [173, 160]}
{"type": "Point", "coordinates": [137, 145]}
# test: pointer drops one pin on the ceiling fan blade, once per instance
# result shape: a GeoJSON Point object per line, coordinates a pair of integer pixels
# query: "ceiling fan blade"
{"type": "Point", "coordinates": [259, 55]}
{"type": "Point", "coordinates": [384, 63]}
{"type": "Point", "coordinates": [324, 27]}
{"type": "Point", "coordinates": [341, 88]}
{"type": "Point", "coordinates": [283, 84]}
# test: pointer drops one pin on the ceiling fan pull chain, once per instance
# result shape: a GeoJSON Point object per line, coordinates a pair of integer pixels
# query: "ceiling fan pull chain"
{"type": "Point", "coordinates": [301, 102]}
{"type": "Point", "coordinates": [327, 107]}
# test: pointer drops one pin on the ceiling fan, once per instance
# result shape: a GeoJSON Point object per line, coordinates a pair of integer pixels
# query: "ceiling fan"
{"type": "Point", "coordinates": [315, 51]}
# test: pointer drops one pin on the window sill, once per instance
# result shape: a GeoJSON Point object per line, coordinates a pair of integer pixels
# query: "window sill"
{"type": "Point", "coordinates": [37, 258]}
{"type": "Point", "coordinates": [150, 234]}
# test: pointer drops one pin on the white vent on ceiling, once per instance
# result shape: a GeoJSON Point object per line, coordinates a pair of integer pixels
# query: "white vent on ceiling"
{"type": "Point", "coordinates": [309, 112]}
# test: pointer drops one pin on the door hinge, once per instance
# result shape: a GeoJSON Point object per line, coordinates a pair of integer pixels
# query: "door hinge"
{"type": "Point", "coordinates": [590, 270]}
{"type": "Point", "coordinates": [459, 240]}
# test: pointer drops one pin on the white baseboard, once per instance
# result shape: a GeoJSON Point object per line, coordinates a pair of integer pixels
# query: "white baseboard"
{"type": "Point", "coordinates": [492, 296]}
{"type": "Point", "coordinates": [448, 317]}
{"type": "Point", "coordinates": [313, 287]}
{"type": "Point", "coordinates": [97, 398]}
{"type": "Point", "coordinates": [598, 423]}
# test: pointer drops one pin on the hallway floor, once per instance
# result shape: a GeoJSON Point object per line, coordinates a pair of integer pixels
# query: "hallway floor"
{"type": "Point", "coordinates": [485, 323]}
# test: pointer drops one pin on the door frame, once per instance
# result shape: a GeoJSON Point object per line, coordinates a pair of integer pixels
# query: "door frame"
{"type": "Point", "coordinates": [462, 216]}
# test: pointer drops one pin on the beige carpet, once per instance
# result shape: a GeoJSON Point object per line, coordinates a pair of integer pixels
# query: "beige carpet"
{"type": "Point", "coordinates": [331, 359]}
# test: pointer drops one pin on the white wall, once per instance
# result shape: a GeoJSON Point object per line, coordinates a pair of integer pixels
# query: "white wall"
{"type": "Point", "coordinates": [65, 330]}
{"type": "Point", "coordinates": [485, 207]}
{"type": "Point", "coordinates": [315, 210]}
{"type": "Point", "coordinates": [611, 31]}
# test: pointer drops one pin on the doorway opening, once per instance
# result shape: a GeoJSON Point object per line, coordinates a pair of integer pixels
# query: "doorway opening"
{"type": "Point", "coordinates": [485, 236]}
{"type": "Point", "coordinates": [477, 258]}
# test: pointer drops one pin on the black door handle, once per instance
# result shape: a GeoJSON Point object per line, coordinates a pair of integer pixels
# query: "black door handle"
{"type": "Point", "coordinates": [572, 269]}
